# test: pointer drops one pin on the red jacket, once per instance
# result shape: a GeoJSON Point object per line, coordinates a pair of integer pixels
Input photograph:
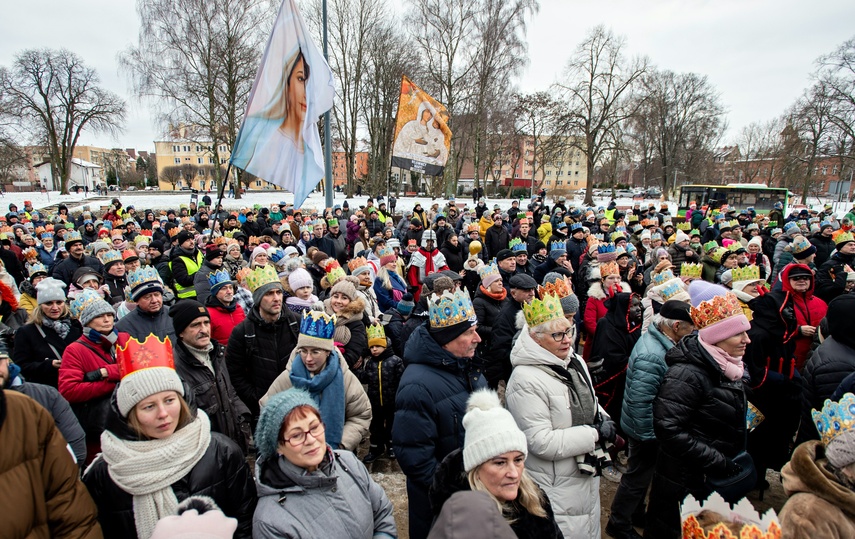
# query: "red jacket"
{"type": "Point", "coordinates": [79, 359]}
{"type": "Point", "coordinates": [809, 309]}
{"type": "Point", "coordinates": [223, 322]}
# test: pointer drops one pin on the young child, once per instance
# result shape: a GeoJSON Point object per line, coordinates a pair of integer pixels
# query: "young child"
{"type": "Point", "coordinates": [301, 283]}
{"type": "Point", "coordinates": [382, 373]}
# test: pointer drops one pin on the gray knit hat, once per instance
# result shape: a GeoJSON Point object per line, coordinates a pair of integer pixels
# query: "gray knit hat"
{"type": "Point", "coordinates": [89, 305]}
{"type": "Point", "coordinates": [272, 416]}
{"type": "Point", "coordinates": [570, 304]}
{"type": "Point", "coordinates": [50, 289]}
{"type": "Point", "coordinates": [346, 286]}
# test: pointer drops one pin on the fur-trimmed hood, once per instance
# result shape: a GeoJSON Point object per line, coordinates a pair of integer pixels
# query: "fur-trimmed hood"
{"type": "Point", "coordinates": [596, 290]}
{"type": "Point", "coordinates": [808, 472]}
{"type": "Point", "coordinates": [354, 311]}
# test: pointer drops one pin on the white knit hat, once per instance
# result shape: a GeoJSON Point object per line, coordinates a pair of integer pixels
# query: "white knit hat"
{"type": "Point", "coordinates": [681, 237]}
{"type": "Point", "coordinates": [490, 430]}
{"type": "Point", "coordinates": [144, 383]}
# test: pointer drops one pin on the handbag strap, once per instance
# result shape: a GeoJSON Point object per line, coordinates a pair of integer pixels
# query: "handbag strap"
{"type": "Point", "coordinates": [52, 347]}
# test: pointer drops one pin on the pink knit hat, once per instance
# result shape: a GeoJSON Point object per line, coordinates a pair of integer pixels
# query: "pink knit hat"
{"type": "Point", "coordinates": [716, 312]}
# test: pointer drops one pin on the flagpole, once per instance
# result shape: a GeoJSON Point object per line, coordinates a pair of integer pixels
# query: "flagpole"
{"type": "Point", "coordinates": [328, 180]}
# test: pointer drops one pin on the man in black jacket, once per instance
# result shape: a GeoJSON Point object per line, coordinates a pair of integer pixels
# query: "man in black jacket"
{"type": "Point", "coordinates": [504, 329]}
{"type": "Point", "coordinates": [831, 276]}
{"type": "Point", "coordinates": [323, 243]}
{"type": "Point", "coordinates": [496, 238]}
{"type": "Point", "coordinates": [76, 259]}
{"type": "Point", "coordinates": [259, 347]}
{"type": "Point", "coordinates": [200, 362]}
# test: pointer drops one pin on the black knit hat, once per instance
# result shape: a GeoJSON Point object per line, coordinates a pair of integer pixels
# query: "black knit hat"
{"type": "Point", "coordinates": [185, 312]}
{"type": "Point", "coordinates": [184, 236]}
{"type": "Point", "coordinates": [212, 251]}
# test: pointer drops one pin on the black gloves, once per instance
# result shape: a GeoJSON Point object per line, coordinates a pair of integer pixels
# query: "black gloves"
{"type": "Point", "coordinates": [607, 430]}
{"type": "Point", "coordinates": [93, 376]}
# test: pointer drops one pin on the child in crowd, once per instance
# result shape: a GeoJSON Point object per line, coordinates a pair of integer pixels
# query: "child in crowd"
{"type": "Point", "coordinates": [382, 373]}
{"type": "Point", "coordinates": [301, 283]}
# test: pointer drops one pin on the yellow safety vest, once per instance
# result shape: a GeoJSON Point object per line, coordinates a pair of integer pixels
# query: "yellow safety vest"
{"type": "Point", "coordinates": [610, 215]}
{"type": "Point", "coordinates": [184, 292]}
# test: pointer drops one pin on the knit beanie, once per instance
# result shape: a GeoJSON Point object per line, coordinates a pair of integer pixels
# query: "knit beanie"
{"type": "Point", "coordinates": [198, 517]}
{"type": "Point", "coordinates": [184, 236]}
{"type": "Point", "coordinates": [702, 296]}
{"type": "Point", "coordinates": [185, 312]}
{"type": "Point", "coordinates": [272, 416]}
{"type": "Point", "coordinates": [318, 257]}
{"type": "Point", "coordinates": [257, 251]}
{"type": "Point", "coordinates": [569, 303]}
{"type": "Point", "coordinates": [406, 305]}
{"type": "Point", "coordinates": [756, 240]}
{"type": "Point", "coordinates": [490, 430]}
{"type": "Point", "coordinates": [96, 246]}
{"type": "Point", "coordinates": [316, 329]}
{"type": "Point", "coordinates": [680, 236]}
{"type": "Point", "coordinates": [291, 250]}
{"type": "Point", "coordinates": [92, 307]}
{"type": "Point", "coordinates": [212, 251]}
{"type": "Point", "coordinates": [50, 289]}
{"type": "Point", "coordinates": [299, 278]}
{"type": "Point", "coordinates": [346, 286]}
{"type": "Point", "coordinates": [144, 383]}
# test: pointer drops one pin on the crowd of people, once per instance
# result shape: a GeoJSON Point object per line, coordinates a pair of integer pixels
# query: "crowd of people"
{"type": "Point", "coordinates": [224, 368]}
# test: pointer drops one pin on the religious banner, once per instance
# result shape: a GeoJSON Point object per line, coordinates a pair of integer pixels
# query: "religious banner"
{"type": "Point", "coordinates": [422, 136]}
{"type": "Point", "coordinates": [278, 140]}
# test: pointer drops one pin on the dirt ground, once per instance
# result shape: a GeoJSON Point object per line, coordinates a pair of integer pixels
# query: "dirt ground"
{"type": "Point", "coordinates": [388, 474]}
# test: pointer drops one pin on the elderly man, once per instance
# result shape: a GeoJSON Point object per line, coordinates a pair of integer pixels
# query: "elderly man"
{"type": "Point", "coordinates": [431, 399]}
{"type": "Point", "coordinates": [522, 289]}
{"type": "Point", "coordinates": [507, 263]}
{"type": "Point", "coordinates": [150, 317]}
{"type": "Point", "coordinates": [76, 259]}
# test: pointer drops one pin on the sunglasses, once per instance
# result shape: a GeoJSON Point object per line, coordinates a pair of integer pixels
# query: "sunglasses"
{"type": "Point", "coordinates": [800, 278]}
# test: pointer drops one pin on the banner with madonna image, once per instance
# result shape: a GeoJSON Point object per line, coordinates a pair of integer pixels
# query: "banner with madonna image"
{"type": "Point", "coordinates": [422, 136]}
{"type": "Point", "coordinates": [278, 140]}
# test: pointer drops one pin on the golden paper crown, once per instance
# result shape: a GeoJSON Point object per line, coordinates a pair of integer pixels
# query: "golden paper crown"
{"type": "Point", "coordinates": [716, 519]}
{"type": "Point", "coordinates": [489, 270]}
{"type": "Point", "coordinates": [221, 240]}
{"type": "Point", "coordinates": [241, 274]}
{"type": "Point", "coordinates": [260, 277]}
{"type": "Point", "coordinates": [357, 262]}
{"type": "Point", "coordinates": [685, 227]}
{"type": "Point", "coordinates": [688, 269]}
{"type": "Point", "coordinates": [142, 239]}
{"type": "Point", "coordinates": [748, 273]}
{"type": "Point", "coordinates": [541, 311]}
{"type": "Point", "coordinates": [451, 309]}
{"type": "Point", "coordinates": [609, 268]}
{"type": "Point", "coordinates": [230, 233]}
{"type": "Point", "coordinates": [560, 288]}
{"type": "Point", "coordinates": [715, 310]}
{"type": "Point", "coordinates": [376, 335]}
{"type": "Point", "coordinates": [842, 236]}
{"type": "Point", "coordinates": [835, 418]}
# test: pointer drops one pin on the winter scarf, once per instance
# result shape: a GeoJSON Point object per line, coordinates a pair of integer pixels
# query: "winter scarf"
{"type": "Point", "coordinates": [61, 326]}
{"type": "Point", "coordinates": [326, 387]}
{"type": "Point", "coordinates": [146, 469]}
{"type": "Point", "coordinates": [732, 367]}
{"type": "Point", "coordinates": [203, 355]}
{"type": "Point", "coordinates": [498, 297]}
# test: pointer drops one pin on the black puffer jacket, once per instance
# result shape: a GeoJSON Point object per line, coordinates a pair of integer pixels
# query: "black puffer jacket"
{"type": "Point", "coordinates": [824, 247]}
{"type": "Point", "coordinates": [498, 360]}
{"type": "Point", "coordinates": [213, 393]}
{"type": "Point", "coordinates": [33, 354]}
{"type": "Point", "coordinates": [65, 269]}
{"type": "Point", "coordinates": [698, 416]}
{"type": "Point", "coordinates": [831, 277]}
{"type": "Point", "coordinates": [487, 310]}
{"type": "Point", "coordinates": [221, 474]}
{"type": "Point", "coordinates": [453, 255]}
{"type": "Point", "coordinates": [451, 478]}
{"type": "Point", "coordinates": [258, 352]}
{"type": "Point", "coordinates": [382, 374]}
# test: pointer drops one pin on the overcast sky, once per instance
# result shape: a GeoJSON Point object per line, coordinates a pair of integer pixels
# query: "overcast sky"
{"type": "Point", "coordinates": [757, 53]}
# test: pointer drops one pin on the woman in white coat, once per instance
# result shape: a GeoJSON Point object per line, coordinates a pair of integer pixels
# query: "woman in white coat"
{"type": "Point", "coordinates": [552, 400]}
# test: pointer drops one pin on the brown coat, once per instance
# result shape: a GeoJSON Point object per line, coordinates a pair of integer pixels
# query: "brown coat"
{"type": "Point", "coordinates": [40, 492]}
{"type": "Point", "coordinates": [819, 506]}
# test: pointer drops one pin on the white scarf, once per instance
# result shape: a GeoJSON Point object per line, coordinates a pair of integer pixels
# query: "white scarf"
{"type": "Point", "coordinates": [147, 469]}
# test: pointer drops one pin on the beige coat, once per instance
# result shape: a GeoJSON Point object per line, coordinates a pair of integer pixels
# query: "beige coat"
{"type": "Point", "coordinates": [357, 408]}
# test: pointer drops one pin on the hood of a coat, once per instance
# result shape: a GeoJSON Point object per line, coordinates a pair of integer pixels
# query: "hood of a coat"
{"type": "Point", "coordinates": [618, 311]}
{"type": "Point", "coordinates": [839, 323]}
{"type": "Point", "coordinates": [808, 472]}
{"type": "Point", "coordinates": [527, 352]}
{"type": "Point", "coordinates": [423, 349]}
{"type": "Point", "coordinates": [287, 477]}
{"type": "Point", "coordinates": [785, 279]}
{"type": "Point", "coordinates": [450, 477]}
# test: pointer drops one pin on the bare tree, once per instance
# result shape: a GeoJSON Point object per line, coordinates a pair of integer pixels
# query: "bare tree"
{"type": "Point", "coordinates": [759, 146]}
{"type": "Point", "coordinates": [598, 94]}
{"type": "Point", "coordinates": [540, 118]}
{"type": "Point", "coordinates": [55, 96]}
{"type": "Point", "coordinates": [195, 62]}
{"type": "Point", "coordinates": [836, 71]}
{"type": "Point", "coordinates": [811, 121]}
{"type": "Point", "coordinates": [171, 175]}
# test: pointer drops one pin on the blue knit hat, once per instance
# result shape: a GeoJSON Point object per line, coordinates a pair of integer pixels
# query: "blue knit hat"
{"type": "Point", "coordinates": [272, 416]}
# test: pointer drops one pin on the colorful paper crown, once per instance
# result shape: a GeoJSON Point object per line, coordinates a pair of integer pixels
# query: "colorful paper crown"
{"type": "Point", "coordinates": [357, 262]}
{"type": "Point", "coordinates": [241, 274]}
{"type": "Point", "coordinates": [72, 237]}
{"type": "Point", "coordinates": [383, 252]}
{"type": "Point", "coordinates": [129, 253]}
{"type": "Point", "coordinates": [617, 235]}
{"type": "Point", "coordinates": [609, 268]}
{"type": "Point", "coordinates": [672, 289]}
{"type": "Point", "coordinates": [684, 226]}
{"type": "Point", "coordinates": [111, 256]}
{"type": "Point", "coordinates": [836, 418]}
{"type": "Point", "coordinates": [716, 519]}
{"type": "Point", "coordinates": [219, 277]}
{"type": "Point", "coordinates": [715, 310]}
{"type": "Point", "coordinates": [332, 222]}
{"type": "Point", "coordinates": [488, 270]}
{"type": "Point", "coordinates": [688, 269]}
{"type": "Point", "coordinates": [145, 234]}
{"type": "Point", "coordinates": [376, 335]}
{"type": "Point", "coordinates": [46, 236]}
{"type": "Point", "coordinates": [516, 245]}
{"type": "Point", "coordinates": [152, 352]}
{"type": "Point", "coordinates": [557, 246]}
{"type": "Point", "coordinates": [334, 271]}
{"type": "Point", "coordinates": [142, 240]}
{"type": "Point", "coordinates": [173, 231]}
{"type": "Point", "coordinates": [451, 309]}
{"type": "Point", "coordinates": [540, 311]}
{"type": "Point", "coordinates": [30, 253]}
{"type": "Point", "coordinates": [230, 233]}
{"type": "Point", "coordinates": [710, 245]}
{"type": "Point", "coordinates": [260, 277]}
{"type": "Point", "coordinates": [606, 248]}
{"type": "Point", "coordinates": [84, 299]}
{"type": "Point", "coordinates": [560, 288]}
{"type": "Point", "coordinates": [473, 228]}
{"type": "Point", "coordinates": [718, 254]}
{"type": "Point", "coordinates": [748, 273]}
{"type": "Point", "coordinates": [840, 237]}
{"type": "Point", "coordinates": [143, 275]}
{"type": "Point", "coordinates": [662, 277]}
{"type": "Point", "coordinates": [35, 268]}
{"type": "Point", "coordinates": [318, 324]}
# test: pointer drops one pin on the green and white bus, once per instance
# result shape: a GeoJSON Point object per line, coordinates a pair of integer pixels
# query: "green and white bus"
{"type": "Point", "coordinates": [738, 196]}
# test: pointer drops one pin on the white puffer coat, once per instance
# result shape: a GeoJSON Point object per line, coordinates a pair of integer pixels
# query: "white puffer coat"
{"type": "Point", "coordinates": [540, 404]}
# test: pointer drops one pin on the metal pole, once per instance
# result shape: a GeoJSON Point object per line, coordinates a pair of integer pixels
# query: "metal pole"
{"type": "Point", "coordinates": [328, 179]}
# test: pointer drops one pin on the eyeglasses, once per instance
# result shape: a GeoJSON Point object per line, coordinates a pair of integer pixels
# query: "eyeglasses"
{"type": "Point", "coordinates": [561, 335]}
{"type": "Point", "coordinates": [299, 439]}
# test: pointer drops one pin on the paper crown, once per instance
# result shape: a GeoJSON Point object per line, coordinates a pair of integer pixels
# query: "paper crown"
{"type": "Point", "coordinates": [35, 268]}
{"type": "Point", "coordinates": [606, 248]}
{"type": "Point", "coordinates": [672, 289]}
{"type": "Point", "coordinates": [142, 240]}
{"type": "Point", "coordinates": [253, 240]}
{"type": "Point", "coordinates": [560, 288]}
{"type": "Point", "coordinates": [30, 253]}
{"type": "Point", "coordinates": [152, 352]}
{"type": "Point", "coordinates": [840, 237]}
{"type": "Point", "coordinates": [241, 274]}
{"type": "Point", "coordinates": [260, 277]}
{"type": "Point", "coordinates": [748, 273]}
{"type": "Point", "coordinates": [173, 231]}
{"type": "Point", "coordinates": [718, 254]}
{"type": "Point", "coordinates": [219, 277]}
{"type": "Point", "coordinates": [716, 519]}
{"type": "Point", "coordinates": [111, 256]}
{"type": "Point", "coordinates": [128, 254]}
{"type": "Point", "coordinates": [332, 222]}
{"type": "Point", "coordinates": [376, 335]}
{"type": "Point", "coordinates": [473, 228]}
{"type": "Point", "coordinates": [662, 277]}
{"type": "Point", "coordinates": [557, 245]}
{"type": "Point", "coordinates": [72, 236]}
{"type": "Point", "coordinates": [451, 309]}
{"type": "Point", "coordinates": [688, 269]}
{"type": "Point", "coordinates": [219, 240]}
{"type": "Point", "coordinates": [334, 271]}
{"type": "Point", "coordinates": [617, 235]}
{"type": "Point", "coordinates": [46, 235]}
{"type": "Point", "coordinates": [143, 275]}
{"type": "Point", "coordinates": [145, 234]}
{"type": "Point", "coordinates": [540, 311]}
{"type": "Point", "coordinates": [835, 418]}
{"type": "Point", "coordinates": [383, 252]}
{"type": "Point", "coordinates": [206, 231]}
{"type": "Point", "coordinates": [230, 233]}
{"type": "Point", "coordinates": [84, 299]}
{"type": "Point", "coordinates": [684, 226]}
{"type": "Point", "coordinates": [715, 310]}
{"type": "Point", "coordinates": [710, 245]}
{"type": "Point", "coordinates": [609, 268]}
{"type": "Point", "coordinates": [488, 270]}
{"type": "Point", "coordinates": [357, 262]}
{"type": "Point", "coordinates": [318, 324]}
{"type": "Point", "coordinates": [516, 245]}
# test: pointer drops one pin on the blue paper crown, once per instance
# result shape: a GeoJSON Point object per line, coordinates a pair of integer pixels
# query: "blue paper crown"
{"type": "Point", "coordinates": [73, 236]}
{"type": "Point", "coordinates": [84, 299]}
{"type": "Point", "coordinates": [317, 324]}
{"type": "Point", "coordinates": [46, 235]}
{"type": "Point", "coordinates": [558, 246]}
{"type": "Point", "coordinates": [143, 275]}
{"type": "Point", "coordinates": [576, 226]}
{"type": "Point", "coordinates": [32, 269]}
{"type": "Point", "coordinates": [218, 277]}
{"type": "Point", "coordinates": [671, 290]}
{"type": "Point", "coordinates": [662, 277]}
{"type": "Point", "coordinates": [835, 418]}
{"type": "Point", "coordinates": [206, 232]}
{"type": "Point", "coordinates": [277, 255]}
{"type": "Point", "coordinates": [605, 248]}
{"type": "Point", "coordinates": [516, 244]}
{"type": "Point", "coordinates": [111, 256]}
{"type": "Point", "coordinates": [451, 309]}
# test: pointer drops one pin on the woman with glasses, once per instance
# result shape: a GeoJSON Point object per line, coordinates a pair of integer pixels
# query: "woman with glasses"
{"type": "Point", "coordinates": [305, 487]}
{"type": "Point", "coordinates": [551, 398]}
{"type": "Point", "coordinates": [318, 367]}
